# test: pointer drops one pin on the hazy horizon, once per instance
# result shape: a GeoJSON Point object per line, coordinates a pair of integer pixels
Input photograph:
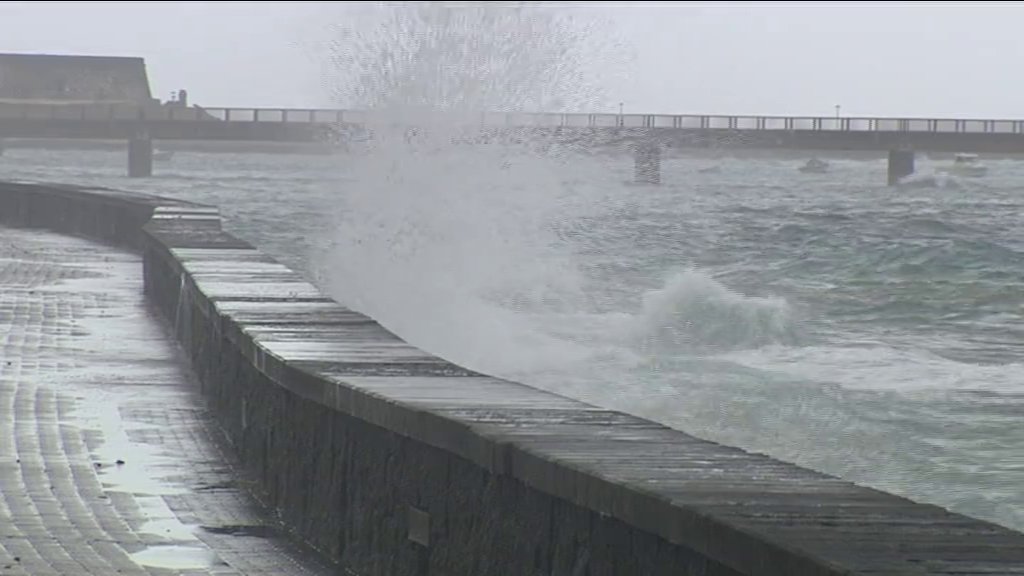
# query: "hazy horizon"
{"type": "Point", "coordinates": [871, 58]}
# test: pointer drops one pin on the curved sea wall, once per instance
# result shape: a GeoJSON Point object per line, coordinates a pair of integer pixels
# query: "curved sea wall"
{"type": "Point", "coordinates": [392, 461]}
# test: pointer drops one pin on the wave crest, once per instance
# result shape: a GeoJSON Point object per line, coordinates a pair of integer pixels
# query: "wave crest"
{"type": "Point", "coordinates": [693, 312]}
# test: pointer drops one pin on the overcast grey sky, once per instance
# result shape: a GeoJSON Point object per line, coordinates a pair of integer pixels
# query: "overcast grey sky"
{"type": "Point", "coordinates": [881, 58]}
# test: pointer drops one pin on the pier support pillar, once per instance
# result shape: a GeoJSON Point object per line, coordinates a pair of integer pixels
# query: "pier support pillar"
{"type": "Point", "coordinates": [140, 158]}
{"type": "Point", "coordinates": [647, 163]}
{"type": "Point", "coordinates": [901, 165]}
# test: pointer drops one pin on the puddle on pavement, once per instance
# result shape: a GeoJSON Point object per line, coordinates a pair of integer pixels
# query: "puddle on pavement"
{"type": "Point", "coordinates": [176, 558]}
{"type": "Point", "coordinates": [146, 473]}
{"type": "Point", "coordinates": [162, 521]}
{"type": "Point", "coordinates": [145, 470]}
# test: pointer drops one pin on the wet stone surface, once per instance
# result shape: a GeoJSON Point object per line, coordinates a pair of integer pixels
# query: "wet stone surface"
{"type": "Point", "coordinates": [107, 458]}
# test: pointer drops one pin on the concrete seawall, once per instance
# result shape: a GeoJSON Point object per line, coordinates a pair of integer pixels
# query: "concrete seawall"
{"type": "Point", "coordinates": [393, 461]}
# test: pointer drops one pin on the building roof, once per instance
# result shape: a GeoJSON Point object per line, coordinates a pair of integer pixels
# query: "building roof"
{"type": "Point", "coordinates": [58, 77]}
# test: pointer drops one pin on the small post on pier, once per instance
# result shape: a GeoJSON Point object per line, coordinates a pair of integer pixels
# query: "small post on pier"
{"type": "Point", "coordinates": [140, 157]}
{"type": "Point", "coordinates": [647, 162]}
{"type": "Point", "coordinates": [901, 165]}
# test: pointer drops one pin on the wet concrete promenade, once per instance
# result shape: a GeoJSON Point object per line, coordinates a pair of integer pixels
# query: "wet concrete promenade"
{"type": "Point", "coordinates": [108, 460]}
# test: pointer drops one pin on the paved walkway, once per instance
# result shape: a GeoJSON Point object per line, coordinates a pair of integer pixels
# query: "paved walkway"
{"type": "Point", "coordinates": [106, 460]}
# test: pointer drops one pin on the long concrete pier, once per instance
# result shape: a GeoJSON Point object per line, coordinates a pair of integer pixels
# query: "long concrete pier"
{"type": "Point", "coordinates": [391, 461]}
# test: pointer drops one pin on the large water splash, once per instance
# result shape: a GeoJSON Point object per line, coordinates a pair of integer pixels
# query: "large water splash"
{"type": "Point", "coordinates": [453, 238]}
{"type": "Point", "coordinates": [446, 235]}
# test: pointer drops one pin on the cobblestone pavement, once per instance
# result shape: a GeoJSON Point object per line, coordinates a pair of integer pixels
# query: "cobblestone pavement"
{"type": "Point", "coordinates": [107, 463]}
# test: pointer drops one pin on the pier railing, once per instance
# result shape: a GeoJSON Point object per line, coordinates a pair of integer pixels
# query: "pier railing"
{"type": "Point", "coordinates": [102, 112]}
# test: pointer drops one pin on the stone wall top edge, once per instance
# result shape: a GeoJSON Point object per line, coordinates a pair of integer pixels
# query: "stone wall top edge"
{"type": "Point", "coordinates": [104, 194]}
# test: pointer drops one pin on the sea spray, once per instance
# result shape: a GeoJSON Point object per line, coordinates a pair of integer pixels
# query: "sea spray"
{"type": "Point", "coordinates": [467, 58]}
{"type": "Point", "coordinates": [450, 237]}
{"type": "Point", "coordinates": [454, 236]}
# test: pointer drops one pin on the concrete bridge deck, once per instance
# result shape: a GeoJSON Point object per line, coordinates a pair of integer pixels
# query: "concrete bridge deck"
{"type": "Point", "coordinates": [646, 134]}
{"type": "Point", "coordinates": [89, 376]}
{"type": "Point", "coordinates": [127, 121]}
{"type": "Point", "coordinates": [388, 459]}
